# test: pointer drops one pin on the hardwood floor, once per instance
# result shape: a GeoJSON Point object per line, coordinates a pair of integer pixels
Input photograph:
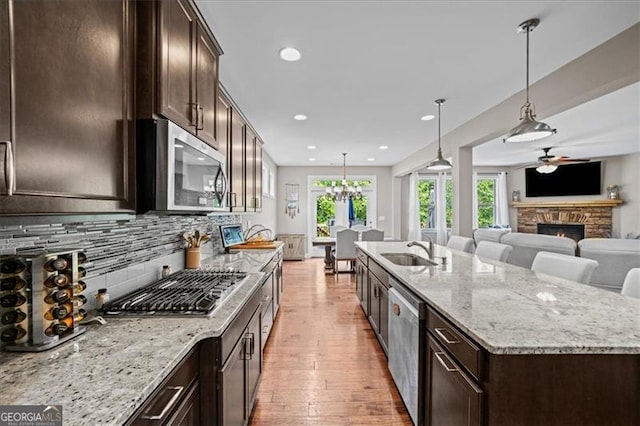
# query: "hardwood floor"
{"type": "Point", "coordinates": [322, 363]}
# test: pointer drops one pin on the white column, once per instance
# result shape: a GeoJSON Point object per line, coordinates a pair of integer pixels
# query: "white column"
{"type": "Point", "coordinates": [462, 176]}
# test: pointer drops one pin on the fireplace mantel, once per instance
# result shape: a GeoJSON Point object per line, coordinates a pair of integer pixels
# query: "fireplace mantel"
{"type": "Point", "coordinates": [565, 204]}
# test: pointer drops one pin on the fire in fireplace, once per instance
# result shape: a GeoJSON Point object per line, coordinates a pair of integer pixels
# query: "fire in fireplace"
{"type": "Point", "coordinates": [574, 231]}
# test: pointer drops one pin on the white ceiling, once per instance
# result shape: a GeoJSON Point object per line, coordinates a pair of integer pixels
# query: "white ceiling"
{"type": "Point", "coordinates": [371, 69]}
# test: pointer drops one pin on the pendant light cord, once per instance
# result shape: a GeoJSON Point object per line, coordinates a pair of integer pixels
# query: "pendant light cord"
{"type": "Point", "coordinates": [528, 31]}
{"type": "Point", "coordinates": [439, 104]}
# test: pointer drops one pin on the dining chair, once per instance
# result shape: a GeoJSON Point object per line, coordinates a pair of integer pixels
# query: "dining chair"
{"type": "Point", "coordinates": [345, 248]}
{"type": "Point", "coordinates": [360, 227]}
{"type": "Point", "coordinates": [494, 251]}
{"type": "Point", "coordinates": [572, 268]}
{"type": "Point", "coordinates": [334, 230]}
{"type": "Point", "coordinates": [631, 285]}
{"type": "Point", "coordinates": [372, 235]}
{"type": "Point", "coordinates": [458, 242]}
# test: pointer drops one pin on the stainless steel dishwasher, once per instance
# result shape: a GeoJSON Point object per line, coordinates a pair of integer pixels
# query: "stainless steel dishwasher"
{"type": "Point", "coordinates": [404, 346]}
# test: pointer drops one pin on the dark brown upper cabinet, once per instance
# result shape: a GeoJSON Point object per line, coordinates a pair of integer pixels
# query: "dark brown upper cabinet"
{"type": "Point", "coordinates": [66, 106]}
{"type": "Point", "coordinates": [236, 161]}
{"type": "Point", "coordinates": [177, 67]}
{"type": "Point", "coordinates": [250, 170]}
{"type": "Point", "coordinates": [258, 175]}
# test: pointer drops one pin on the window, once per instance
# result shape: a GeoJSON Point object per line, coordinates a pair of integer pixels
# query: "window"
{"type": "Point", "coordinates": [272, 184]}
{"type": "Point", "coordinates": [266, 183]}
{"type": "Point", "coordinates": [486, 196]}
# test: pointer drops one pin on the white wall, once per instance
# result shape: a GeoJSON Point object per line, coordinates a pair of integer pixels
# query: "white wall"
{"type": "Point", "coordinates": [622, 171]}
{"type": "Point", "coordinates": [268, 216]}
{"type": "Point", "coordinates": [299, 175]}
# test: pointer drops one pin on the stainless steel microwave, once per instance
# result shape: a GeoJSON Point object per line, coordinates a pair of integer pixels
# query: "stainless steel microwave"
{"type": "Point", "coordinates": [176, 171]}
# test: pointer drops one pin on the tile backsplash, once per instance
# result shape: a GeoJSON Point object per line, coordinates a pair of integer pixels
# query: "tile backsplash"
{"type": "Point", "coordinates": [122, 255]}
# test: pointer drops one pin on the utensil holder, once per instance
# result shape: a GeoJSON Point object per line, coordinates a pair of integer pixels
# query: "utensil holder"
{"type": "Point", "coordinates": [193, 258]}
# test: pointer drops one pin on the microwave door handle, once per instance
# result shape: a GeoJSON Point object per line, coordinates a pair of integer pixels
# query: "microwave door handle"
{"type": "Point", "coordinates": [223, 190]}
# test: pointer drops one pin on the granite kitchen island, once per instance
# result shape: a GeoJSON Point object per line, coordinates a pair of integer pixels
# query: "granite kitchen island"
{"type": "Point", "coordinates": [512, 347]}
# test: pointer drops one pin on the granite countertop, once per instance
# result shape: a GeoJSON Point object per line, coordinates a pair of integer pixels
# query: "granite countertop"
{"type": "Point", "coordinates": [104, 375]}
{"type": "Point", "coordinates": [511, 310]}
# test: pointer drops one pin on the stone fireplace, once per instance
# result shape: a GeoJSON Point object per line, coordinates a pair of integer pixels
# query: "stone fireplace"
{"type": "Point", "coordinates": [573, 231]}
{"type": "Point", "coordinates": [586, 219]}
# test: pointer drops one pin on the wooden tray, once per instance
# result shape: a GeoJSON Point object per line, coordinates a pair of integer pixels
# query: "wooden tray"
{"type": "Point", "coordinates": [256, 245]}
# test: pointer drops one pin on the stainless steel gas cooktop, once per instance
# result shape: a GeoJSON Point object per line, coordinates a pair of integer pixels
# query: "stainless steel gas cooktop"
{"type": "Point", "coordinates": [187, 292]}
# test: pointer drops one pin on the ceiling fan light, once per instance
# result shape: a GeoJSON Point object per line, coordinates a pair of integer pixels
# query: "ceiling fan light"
{"type": "Point", "coordinates": [529, 129]}
{"type": "Point", "coordinates": [546, 168]}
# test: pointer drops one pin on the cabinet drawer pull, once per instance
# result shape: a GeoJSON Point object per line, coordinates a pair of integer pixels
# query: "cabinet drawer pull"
{"type": "Point", "coordinates": [177, 392]}
{"type": "Point", "coordinates": [439, 332]}
{"type": "Point", "coordinates": [439, 356]}
{"type": "Point", "coordinates": [9, 174]}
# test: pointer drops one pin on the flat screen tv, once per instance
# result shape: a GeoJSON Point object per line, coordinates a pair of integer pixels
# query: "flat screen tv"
{"type": "Point", "coordinates": [569, 179]}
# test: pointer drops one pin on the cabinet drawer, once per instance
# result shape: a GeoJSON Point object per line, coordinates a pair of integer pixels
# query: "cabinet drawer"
{"type": "Point", "coordinates": [362, 258]}
{"type": "Point", "coordinates": [171, 393]}
{"type": "Point", "coordinates": [267, 290]}
{"type": "Point", "coordinates": [464, 350]}
{"type": "Point", "coordinates": [380, 273]}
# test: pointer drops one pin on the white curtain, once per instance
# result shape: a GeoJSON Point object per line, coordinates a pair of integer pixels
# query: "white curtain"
{"type": "Point", "coordinates": [474, 202]}
{"type": "Point", "coordinates": [502, 200]}
{"type": "Point", "coordinates": [414, 209]}
{"type": "Point", "coordinates": [441, 209]}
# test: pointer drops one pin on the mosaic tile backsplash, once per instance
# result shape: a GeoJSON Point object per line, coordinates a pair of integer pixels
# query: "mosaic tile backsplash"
{"type": "Point", "coordinates": [116, 244]}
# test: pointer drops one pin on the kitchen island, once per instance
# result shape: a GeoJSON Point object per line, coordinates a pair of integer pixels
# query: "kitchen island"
{"type": "Point", "coordinates": [513, 347]}
{"type": "Point", "coordinates": [105, 375]}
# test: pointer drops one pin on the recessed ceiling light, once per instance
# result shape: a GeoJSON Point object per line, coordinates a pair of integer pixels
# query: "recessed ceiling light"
{"type": "Point", "coordinates": [312, 159]}
{"type": "Point", "coordinates": [427, 117]}
{"type": "Point", "coordinates": [383, 147]}
{"type": "Point", "coordinates": [290, 54]}
{"type": "Point", "coordinates": [300, 117]}
{"type": "Point", "coordinates": [311, 147]}
{"type": "Point", "coordinates": [371, 159]}
{"type": "Point", "coordinates": [201, 158]}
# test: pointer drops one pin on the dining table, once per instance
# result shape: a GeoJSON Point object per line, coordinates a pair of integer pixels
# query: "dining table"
{"type": "Point", "coordinates": [328, 243]}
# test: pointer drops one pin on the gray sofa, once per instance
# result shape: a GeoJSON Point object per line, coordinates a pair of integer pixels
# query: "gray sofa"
{"type": "Point", "coordinates": [615, 256]}
{"type": "Point", "coordinates": [526, 246]}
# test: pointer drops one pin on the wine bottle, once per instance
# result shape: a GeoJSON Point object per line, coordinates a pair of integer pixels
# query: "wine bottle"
{"type": "Point", "coordinates": [59, 296]}
{"type": "Point", "coordinates": [13, 317]}
{"type": "Point", "coordinates": [81, 258]}
{"type": "Point", "coordinates": [57, 264]}
{"type": "Point", "coordinates": [12, 266]}
{"type": "Point", "coordinates": [12, 283]}
{"type": "Point", "coordinates": [59, 312]}
{"type": "Point", "coordinates": [70, 320]}
{"type": "Point", "coordinates": [79, 287]}
{"type": "Point", "coordinates": [12, 334]}
{"type": "Point", "coordinates": [59, 280]}
{"type": "Point", "coordinates": [11, 300]}
{"type": "Point", "coordinates": [56, 329]}
{"type": "Point", "coordinates": [81, 272]}
{"type": "Point", "coordinates": [79, 300]}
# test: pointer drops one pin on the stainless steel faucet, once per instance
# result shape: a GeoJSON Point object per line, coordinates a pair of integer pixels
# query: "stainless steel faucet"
{"type": "Point", "coordinates": [429, 249]}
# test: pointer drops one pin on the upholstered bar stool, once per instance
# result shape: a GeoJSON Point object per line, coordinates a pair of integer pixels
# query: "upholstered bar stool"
{"type": "Point", "coordinates": [564, 266]}
{"type": "Point", "coordinates": [457, 242]}
{"type": "Point", "coordinates": [631, 285]}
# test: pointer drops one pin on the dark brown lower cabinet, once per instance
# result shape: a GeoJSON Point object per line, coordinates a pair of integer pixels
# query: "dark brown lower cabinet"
{"type": "Point", "coordinates": [453, 398]}
{"type": "Point", "coordinates": [362, 286]}
{"type": "Point", "coordinates": [188, 413]}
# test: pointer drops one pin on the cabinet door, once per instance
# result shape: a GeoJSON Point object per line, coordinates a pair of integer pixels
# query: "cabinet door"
{"type": "Point", "coordinates": [177, 64]}
{"type": "Point", "coordinates": [383, 324]}
{"type": "Point", "coordinates": [250, 170]}
{"type": "Point", "coordinates": [359, 279]}
{"type": "Point", "coordinates": [206, 87]}
{"type": "Point", "coordinates": [366, 294]}
{"type": "Point", "coordinates": [258, 174]}
{"type": "Point", "coordinates": [453, 398]}
{"type": "Point", "coordinates": [72, 130]}
{"type": "Point", "coordinates": [236, 161]}
{"type": "Point", "coordinates": [253, 359]}
{"type": "Point", "coordinates": [298, 246]}
{"type": "Point", "coordinates": [277, 283]}
{"type": "Point", "coordinates": [374, 303]}
{"type": "Point", "coordinates": [188, 413]}
{"type": "Point", "coordinates": [223, 117]}
{"type": "Point", "coordinates": [232, 382]}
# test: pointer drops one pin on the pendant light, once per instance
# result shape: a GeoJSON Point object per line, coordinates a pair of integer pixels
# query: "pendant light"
{"type": "Point", "coordinates": [344, 191]}
{"type": "Point", "coordinates": [440, 163]}
{"type": "Point", "coordinates": [529, 128]}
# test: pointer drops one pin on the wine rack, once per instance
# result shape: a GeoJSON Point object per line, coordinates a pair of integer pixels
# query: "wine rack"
{"type": "Point", "coordinates": [41, 295]}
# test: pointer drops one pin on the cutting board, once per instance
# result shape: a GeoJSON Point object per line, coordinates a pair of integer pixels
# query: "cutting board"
{"type": "Point", "coordinates": [257, 245]}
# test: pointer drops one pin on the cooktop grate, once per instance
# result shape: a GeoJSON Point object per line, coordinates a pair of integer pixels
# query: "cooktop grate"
{"type": "Point", "coordinates": [184, 292]}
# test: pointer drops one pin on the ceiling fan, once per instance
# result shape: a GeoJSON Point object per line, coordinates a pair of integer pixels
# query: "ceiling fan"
{"type": "Point", "coordinates": [549, 163]}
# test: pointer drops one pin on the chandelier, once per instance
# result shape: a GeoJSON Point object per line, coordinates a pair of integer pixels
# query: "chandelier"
{"type": "Point", "coordinates": [344, 191]}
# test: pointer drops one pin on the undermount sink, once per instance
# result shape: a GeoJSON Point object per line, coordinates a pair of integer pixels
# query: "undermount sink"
{"type": "Point", "coordinates": [407, 259]}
